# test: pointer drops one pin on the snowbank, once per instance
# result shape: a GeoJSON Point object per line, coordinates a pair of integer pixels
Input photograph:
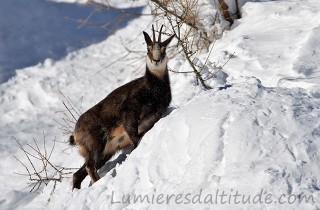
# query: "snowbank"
{"type": "Point", "coordinates": [246, 138]}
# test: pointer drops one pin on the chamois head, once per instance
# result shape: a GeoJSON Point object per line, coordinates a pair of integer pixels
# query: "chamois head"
{"type": "Point", "coordinates": [156, 56]}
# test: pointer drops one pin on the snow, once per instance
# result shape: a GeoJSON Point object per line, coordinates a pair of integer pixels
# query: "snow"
{"type": "Point", "coordinates": [246, 144]}
{"type": "Point", "coordinates": [257, 129]}
{"type": "Point", "coordinates": [261, 49]}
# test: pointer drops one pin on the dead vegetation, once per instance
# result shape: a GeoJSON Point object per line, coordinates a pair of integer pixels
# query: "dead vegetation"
{"type": "Point", "coordinates": [39, 168]}
{"type": "Point", "coordinates": [68, 116]}
{"type": "Point", "coordinates": [195, 24]}
{"type": "Point", "coordinates": [38, 164]}
{"type": "Point", "coordinates": [196, 29]}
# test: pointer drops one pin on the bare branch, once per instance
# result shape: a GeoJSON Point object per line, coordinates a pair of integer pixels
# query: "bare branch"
{"type": "Point", "coordinates": [48, 172]}
{"type": "Point", "coordinates": [165, 8]}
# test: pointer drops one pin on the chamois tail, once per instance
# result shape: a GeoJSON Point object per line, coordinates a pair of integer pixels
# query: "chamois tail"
{"type": "Point", "coordinates": [72, 140]}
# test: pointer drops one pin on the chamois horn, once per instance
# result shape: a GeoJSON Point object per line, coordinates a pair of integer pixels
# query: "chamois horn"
{"type": "Point", "coordinates": [159, 38]}
{"type": "Point", "coordinates": [154, 35]}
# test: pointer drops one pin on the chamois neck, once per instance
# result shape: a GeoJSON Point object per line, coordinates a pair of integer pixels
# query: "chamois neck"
{"type": "Point", "coordinates": [153, 76]}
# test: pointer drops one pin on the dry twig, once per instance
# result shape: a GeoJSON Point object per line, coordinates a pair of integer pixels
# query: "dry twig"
{"type": "Point", "coordinates": [69, 116]}
{"type": "Point", "coordinates": [40, 170]}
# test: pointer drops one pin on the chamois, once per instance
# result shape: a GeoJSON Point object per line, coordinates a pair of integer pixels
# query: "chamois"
{"type": "Point", "coordinates": [125, 115]}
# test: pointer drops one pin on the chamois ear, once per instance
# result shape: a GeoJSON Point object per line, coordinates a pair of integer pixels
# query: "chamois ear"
{"type": "Point", "coordinates": [166, 42]}
{"type": "Point", "coordinates": [147, 38]}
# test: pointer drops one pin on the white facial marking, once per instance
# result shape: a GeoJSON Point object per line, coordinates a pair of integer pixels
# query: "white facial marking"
{"type": "Point", "coordinates": [156, 52]}
{"type": "Point", "coordinates": [157, 68]}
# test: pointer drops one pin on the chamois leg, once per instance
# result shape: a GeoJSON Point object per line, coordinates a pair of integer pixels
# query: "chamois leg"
{"type": "Point", "coordinates": [92, 170]}
{"type": "Point", "coordinates": [132, 131]}
{"type": "Point", "coordinates": [79, 176]}
{"type": "Point", "coordinates": [103, 161]}
{"type": "Point", "coordinates": [95, 176]}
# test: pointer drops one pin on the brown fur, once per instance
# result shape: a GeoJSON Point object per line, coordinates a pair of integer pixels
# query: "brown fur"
{"type": "Point", "coordinates": [123, 117]}
{"type": "Point", "coordinates": [119, 140]}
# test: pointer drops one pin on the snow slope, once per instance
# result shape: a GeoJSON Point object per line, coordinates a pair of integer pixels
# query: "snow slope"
{"type": "Point", "coordinates": [245, 138]}
{"type": "Point", "coordinates": [256, 130]}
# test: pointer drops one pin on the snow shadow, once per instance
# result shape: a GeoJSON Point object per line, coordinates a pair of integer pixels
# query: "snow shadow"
{"type": "Point", "coordinates": [33, 30]}
{"type": "Point", "coordinates": [112, 164]}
